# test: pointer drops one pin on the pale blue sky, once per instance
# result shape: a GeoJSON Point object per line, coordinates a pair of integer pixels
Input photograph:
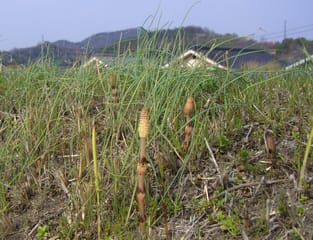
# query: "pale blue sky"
{"type": "Point", "coordinates": [25, 23]}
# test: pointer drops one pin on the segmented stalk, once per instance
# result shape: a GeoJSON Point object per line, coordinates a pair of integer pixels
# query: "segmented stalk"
{"type": "Point", "coordinates": [143, 130]}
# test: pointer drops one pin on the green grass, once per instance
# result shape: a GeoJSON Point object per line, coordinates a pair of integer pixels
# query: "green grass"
{"type": "Point", "coordinates": [55, 110]}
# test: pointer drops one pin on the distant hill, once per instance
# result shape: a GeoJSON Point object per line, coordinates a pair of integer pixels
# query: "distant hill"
{"type": "Point", "coordinates": [65, 44]}
{"type": "Point", "coordinates": [99, 40]}
{"type": "Point", "coordinates": [61, 55]}
{"type": "Point", "coordinates": [65, 52]}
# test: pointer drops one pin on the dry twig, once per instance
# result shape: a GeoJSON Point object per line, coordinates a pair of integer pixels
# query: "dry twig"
{"type": "Point", "coordinates": [214, 162]}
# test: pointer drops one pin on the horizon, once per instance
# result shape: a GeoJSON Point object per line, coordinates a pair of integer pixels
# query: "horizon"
{"type": "Point", "coordinates": [33, 21]}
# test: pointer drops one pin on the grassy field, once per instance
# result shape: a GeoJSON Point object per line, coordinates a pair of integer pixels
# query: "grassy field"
{"type": "Point", "coordinates": [69, 150]}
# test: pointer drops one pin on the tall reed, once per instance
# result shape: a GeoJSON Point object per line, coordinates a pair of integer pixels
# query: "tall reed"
{"type": "Point", "coordinates": [305, 159]}
{"type": "Point", "coordinates": [96, 175]}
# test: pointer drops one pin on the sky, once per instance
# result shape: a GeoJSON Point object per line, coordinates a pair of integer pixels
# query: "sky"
{"type": "Point", "coordinates": [25, 23]}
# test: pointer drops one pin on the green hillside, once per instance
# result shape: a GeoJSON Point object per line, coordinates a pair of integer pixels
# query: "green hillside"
{"type": "Point", "coordinates": [65, 53]}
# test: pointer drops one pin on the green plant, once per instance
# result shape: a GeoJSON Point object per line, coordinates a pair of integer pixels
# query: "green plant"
{"type": "Point", "coordinates": [244, 154]}
{"type": "Point", "coordinates": [296, 234]}
{"type": "Point", "coordinates": [42, 231]}
{"type": "Point", "coordinates": [96, 177]}
{"type": "Point", "coordinates": [303, 198]}
{"type": "Point", "coordinates": [223, 141]}
{"type": "Point", "coordinates": [230, 223]}
{"type": "Point", "coordinates": [305, 159]}
{"type": "Point", "coordinates": [300, 211]}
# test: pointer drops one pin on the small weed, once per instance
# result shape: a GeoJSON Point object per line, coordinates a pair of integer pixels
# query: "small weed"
{"type": "Point", "coordinates": [223, 142]}
{"type": "Point", "coordinates": [201, 205]}
{"type": "Point", "coordinates": [300, 211]}
{"type": "Point", "coordinates": [245, 165]}
{"type": "Point", "coordinates": [262, 225]}
{"type": "Point", "coordinates": [42, 231]}
{"type": "Point", "coordinates": [295, 133]}
{"type": "Point", "coordinates": [230, 223]}
{"type": "Point", "coordinates": [304, 198]}
{"type": "Point", "coordinates": [244, 154]}
{"type": "Point", "coordinates": [296, 234]}
{"type": "Point", "coordinates": [250, 167]}
{"type": "Point", "coordinates": [282, 206]}
{"type": "Point", "coordinates": [258, 134]}
{"type": "Point", "coordinates": [238, 123]}
{"type": "Point", "coordinates": [243, 159]}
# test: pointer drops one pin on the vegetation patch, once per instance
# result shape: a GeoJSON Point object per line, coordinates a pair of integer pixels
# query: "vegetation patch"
{"type": "Point", "coordinates": [228, 155]}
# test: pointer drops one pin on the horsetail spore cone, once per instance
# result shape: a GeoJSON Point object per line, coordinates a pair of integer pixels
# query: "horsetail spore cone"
{"type": "Point", "coordinates": [143, 130]}
{"type": "Point", "coordinates": [189, 106]}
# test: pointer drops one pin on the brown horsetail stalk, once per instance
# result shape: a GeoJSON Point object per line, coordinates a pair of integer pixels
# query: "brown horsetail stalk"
{"type": "Point", "coordinates": [113, 87]}
{"type": "Point", "coordinates": [269, 143]}
{"type": "Point", "coordinates": [189, 106]}
{"type": "Point", "coordinates": [143, 130]}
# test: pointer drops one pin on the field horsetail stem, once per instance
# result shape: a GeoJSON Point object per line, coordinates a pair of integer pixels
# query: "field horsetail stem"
{"type": "Point", "coordinates": [189, 106]}
{"type": "Point", "coordinates": [143, 130]}
{"type": "Point", "coordinates": [113, 87]}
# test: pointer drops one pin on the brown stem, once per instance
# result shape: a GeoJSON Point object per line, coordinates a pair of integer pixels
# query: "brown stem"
{"type": "Point", "coordinates": [142, 148]}
{"type": "Point", "coordinates": [188, 108]}
{"type": "Point", "coordinates": [113, 87]}
{"type": "Point", "coordinates": [143, 130]}
{"type": "Point", "coordinates": [141, 207]}
{"type": "Point", "coordinates": [188, 131]}
{"type": "Point", "coordinates": [141, 169]}
{"type": "Point", "coordinates": [187, 117]}
{"type": "Point", "coordinates": [269, 144]}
